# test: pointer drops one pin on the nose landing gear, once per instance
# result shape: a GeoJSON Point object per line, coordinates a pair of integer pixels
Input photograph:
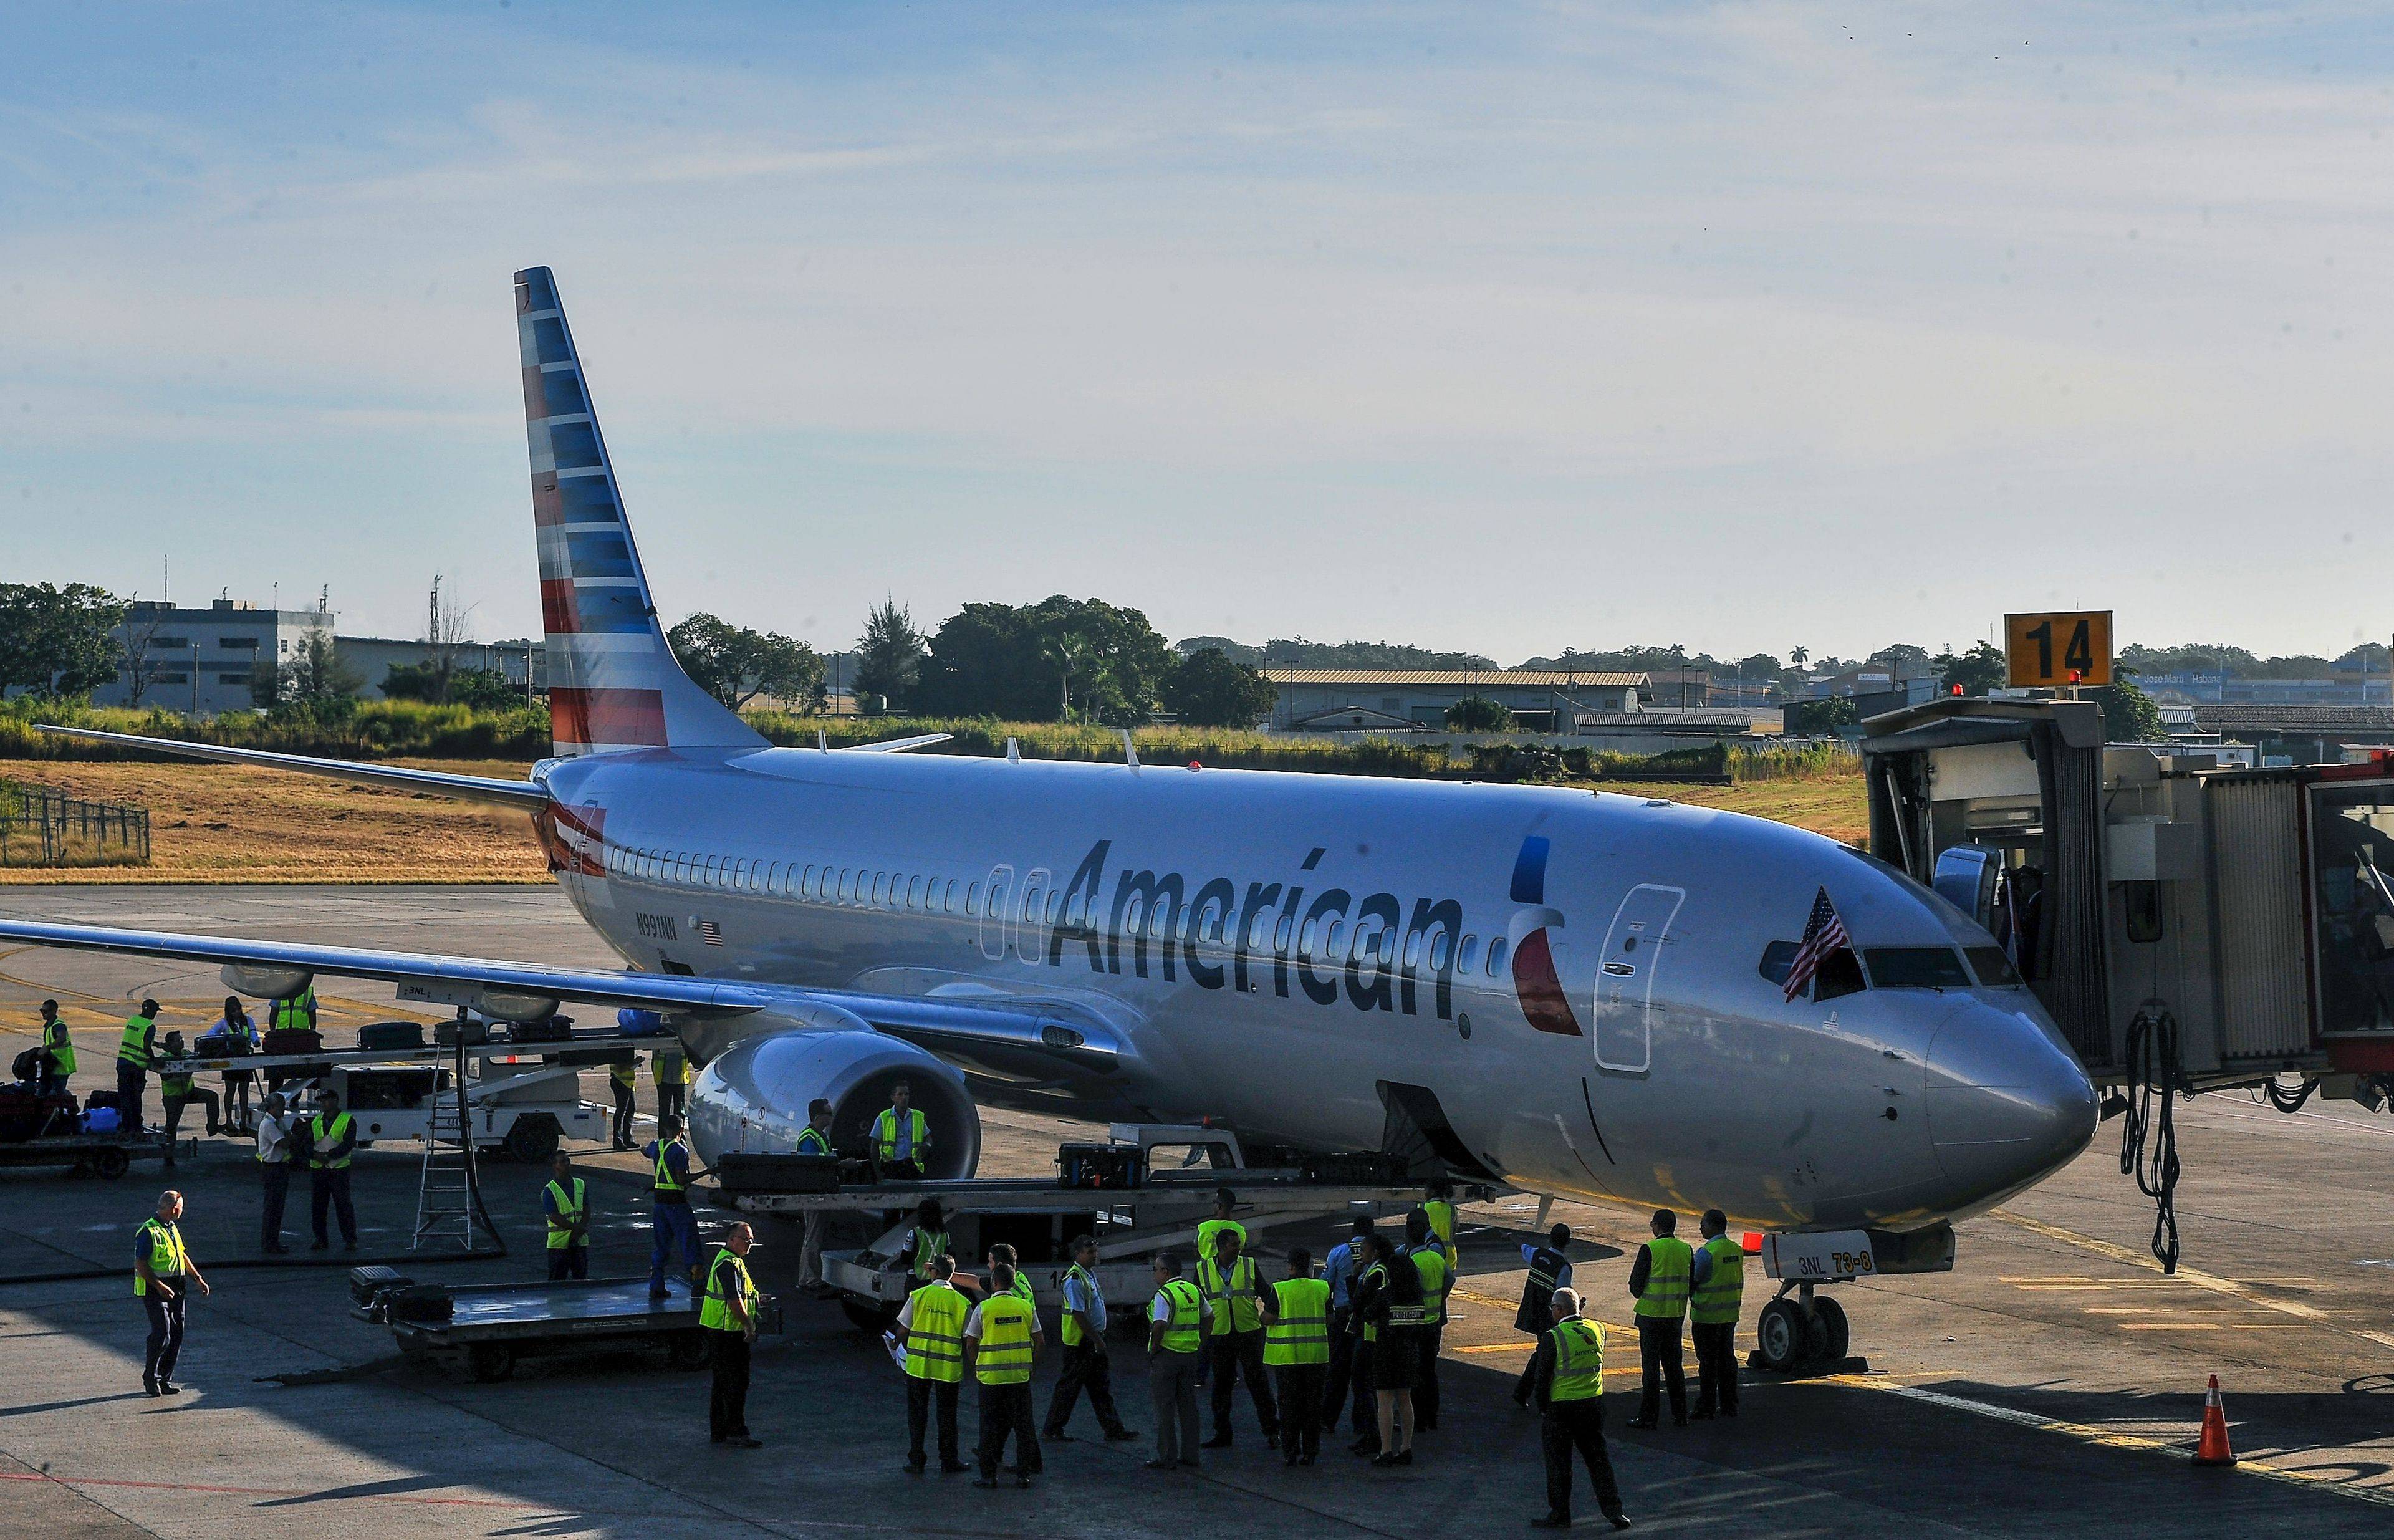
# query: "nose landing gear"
{"type": "Point", "coordinates": [1807, 1332]}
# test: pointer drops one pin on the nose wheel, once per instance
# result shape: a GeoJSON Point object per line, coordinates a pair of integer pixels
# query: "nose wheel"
{"type": "Point", "coordinates": [1806, 1332]}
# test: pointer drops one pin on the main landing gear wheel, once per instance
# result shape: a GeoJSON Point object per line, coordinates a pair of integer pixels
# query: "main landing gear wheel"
{"type": "Point", "coordinates": [868, 1315]}
{"type": "Point", "coordinates": [1781, 1337]}
{"type": "Point", "coordinates": [1835, 1335]}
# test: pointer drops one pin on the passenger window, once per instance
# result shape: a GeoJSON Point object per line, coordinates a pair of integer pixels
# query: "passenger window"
{"type": "Point", "coordinates": [1495, 955]}
{"type": "Point", "coordinates": [1468, 958]}
{"type": "Point", "coordinates": [846, 884]}
{"type": "Point", "coordinates": [1914, 967]}
{"type": "Point", "coordinates": [1305, 942]}
{"type": "Point", "coordinates": [1332, 936]}
{"type": "Point", "coordinates": [1413, 950]}
{"type": "Point", "coordinates": [1440, 945]}
{"type": "Point", "coordinates": [1994, 969]}
{"type": "Point", "coordinates": [914, 892]}
{"type": "Point", "coordinates": [948, 900]}
{"type": "Point", "coordinates": [972, 897]}
{"type": "Point", "coordinates": [1160, 921]}
{"type": "Point", "coordinates": [1055, 903]}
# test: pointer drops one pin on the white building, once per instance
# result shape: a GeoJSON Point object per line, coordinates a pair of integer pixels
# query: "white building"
{"type": "Point", "coordinates": [202, 660]}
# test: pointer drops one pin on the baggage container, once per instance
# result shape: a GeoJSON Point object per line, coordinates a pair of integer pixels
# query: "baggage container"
{"type": "Point", "coordinates": [391, 1034]}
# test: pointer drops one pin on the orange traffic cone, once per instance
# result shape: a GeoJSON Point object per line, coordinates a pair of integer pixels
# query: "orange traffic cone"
{"type": "Point", "coordinates": [2211, 1447]}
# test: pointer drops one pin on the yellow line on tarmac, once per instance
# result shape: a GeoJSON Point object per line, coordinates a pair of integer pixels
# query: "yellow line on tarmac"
{"type": "Point", "coordinates": [2104, 1438]}
{"type": "Point", "coordinates": [2198, 1278]}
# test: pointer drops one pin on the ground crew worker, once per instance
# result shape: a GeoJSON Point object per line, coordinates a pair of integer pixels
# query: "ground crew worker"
{"type": "Point", "coordinates": [273, 1172]}
{"type": "Point", "coordinates": [1175, 1339]}
{"type": "Point", "coordinates": [1659, 1280]}
{"type": "Point", "coordinates": [1440, 1211]}
{"type": "Point", "coordinates": [1001, 1337]}
{"type": "Point", "coordinates": [1086, 1365]}
{"type": "Point", "coordinates": [728, 1314]}
{"type": "Point", "coordinates": [297, 1014]}
{"type": "Point", "coordinates": [58, 1060]}
{"type": "Point", "coordinates": [1550, 1270]}
{"type": "Point", "coordinates": [1235, 1336]}
{"type": "Point", "coordinates": [670, 1067]}
{"type": "Point", "coordinates": [1718, 1297]}
{"type": "Point", "coordinates": [1567, 1372]}
{"type": "Point", "coordinates": [331, 1140]}
{"type": "Point", "coordinates": [133, 1054]}
{"type": "Point", "coordinates": [1210, 1231]}
{"type": "Point", "coordinates": [1296, 1349]}
{"type": "Point", "coordinates": [177, 1092]}
{"type": "Point", "coordinates": [624, 1082]}
{"type": "Point", "coordinates": [1389, 1303]}
{"type": "Point", "coordinates": [670, 1225]}
{"type": "Point", "coordinates": [241, 1038]}
{"type": "Point", "coordinates": [164, 1275]}
{"type": "Point", "coordinates": [814, 1139]}
{"type": "Point", "coordinates": [933, 1321]}
{"type": "Point", "coordinates": [901, 1138]}
{"type": "Point", "coordinates": [1347, 1386]}
{"type": "Point", "coordinates": [565, 1202]}
{"type": "Point", "coordinates": [1430, 1266]}
{"type": "Point", "coordinates": [925, 1243]}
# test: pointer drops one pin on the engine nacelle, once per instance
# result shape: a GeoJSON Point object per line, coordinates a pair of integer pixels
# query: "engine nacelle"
{"type": "Point", "coordinates": [753, 1096]}
{"type": "Point", "coordinates": [261, 982]}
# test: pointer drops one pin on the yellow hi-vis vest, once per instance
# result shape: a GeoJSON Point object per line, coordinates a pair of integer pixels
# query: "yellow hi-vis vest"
{"type": "Point", "coordinates": [625, 1076]}
{"type": "Point", "coordinates": [935, 1334]}
{"type": "Point", "coordinates": [812, 1143]}
{"type": "Point", "coordinates": [320, 1136]}
{"type": "Point", "coordinates": [1579, 1359]}
{"type": "Point", "coordinates": [715, 1311]}
{"type": "Point", "coordinates": [667, 1182]}
{"type": "Point", "coordinates": [135, 1050]}
{"type": "Point", "coordinates": [1072, 1333]}
{"type": "Point", "coordinates": [885, 1133]}
{"type": "Point", "coordinates": [1299, 1333]}
{"type": "Point", "coordinates": [1004, 1354]}
{"type": "Point", "coordinates": [570, 1209]}
{"type": "Point", "coordinates": [1187, 1311]}
{"type": "Point", "coordinates": [167, 1258]}
{"type": "Point", "coordinates": [283, 1015]}
{"type": "Point", "coordinates": [1719, 1299]}
{"type": "Point", "coordinates": [929, 1245]}
{"type": "Point", "coordinates": [670, 1068]}
{"type": "Point", "coordinates": [1430, 1265]}
{"type": "Point", "coordinates": [1236, 1309]}
{"type": "Point", "coordinates": [62, 1045]}
{"type": "Point", "coordinates": [1210, 1234]}
{"type": "Point", "coordinates": [1441, 1224]}
{"type": "Point", "coordinates": [1670, 1263]}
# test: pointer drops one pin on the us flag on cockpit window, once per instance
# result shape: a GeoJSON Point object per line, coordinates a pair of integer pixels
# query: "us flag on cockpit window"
{"type": "Point", "coordinates": [1823, 934]}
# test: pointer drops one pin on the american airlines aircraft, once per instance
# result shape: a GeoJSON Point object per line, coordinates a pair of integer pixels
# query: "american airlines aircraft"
{"type": "Point", "coordinates": [1571, 992]}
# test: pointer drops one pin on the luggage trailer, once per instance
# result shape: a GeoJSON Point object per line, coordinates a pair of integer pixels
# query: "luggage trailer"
{"type": "Point", "coordinates": [105, 1155]}
{"type": "Point", "coordinates": [483, 1330]}
{"type": "Point", "coordinates": [1039, 1216]}
{"type": "Point", "coordinates": [521, 1099]}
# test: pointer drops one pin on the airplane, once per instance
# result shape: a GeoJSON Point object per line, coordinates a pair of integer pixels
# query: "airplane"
{"type": "Point", "coordinates": [1569, 993]}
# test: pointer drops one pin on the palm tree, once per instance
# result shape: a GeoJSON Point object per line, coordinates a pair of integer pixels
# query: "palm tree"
{"type": "Point", "coordinates": [1070, 652]}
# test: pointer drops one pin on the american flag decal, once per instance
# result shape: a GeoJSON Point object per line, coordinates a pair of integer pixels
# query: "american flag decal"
{"type": "Point", "coordinates": [710, 932]}
{"type": "Point", "coordinates": [1823, 934]}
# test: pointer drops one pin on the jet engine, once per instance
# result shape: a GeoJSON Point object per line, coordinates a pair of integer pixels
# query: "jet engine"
{"type": "Point", "coordinates": [753, 1096]}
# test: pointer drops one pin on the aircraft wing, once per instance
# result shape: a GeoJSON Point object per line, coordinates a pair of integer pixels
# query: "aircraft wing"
{"type": "Point", "coordinates": [528, 794]}
{"type": "Point", "coordinates": [1014, 1038]}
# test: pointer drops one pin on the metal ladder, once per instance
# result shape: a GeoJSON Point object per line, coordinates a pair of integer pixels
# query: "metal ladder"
{"type": "Point", "coordinates": [448, 1197]}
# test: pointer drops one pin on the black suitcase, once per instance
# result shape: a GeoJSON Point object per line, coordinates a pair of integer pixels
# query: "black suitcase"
{"type": "Point", "coordinates": [1108, 1165]}
{"type": "Point", "coordinates": [472, 1034]}
{"type": "Point", "coordinates": [737, 1172]}
{"type": "Point", "coordinates": [553, 1029]}
{"type": "Point", "coordinates": [366, 1285]}
{"type": "Point", "coordinates": [20, 1115]}
{"type": "Point", "coordinates": [418, 1302]}
{"type": "Point", "coordinates": [285, 1041]}
{"type": "Point", "coordinates": [104, 1098]}
{"type": "Point", "coordinates": [27, 1065]}
{"type": "Point", "coordinates": [388, 1035]}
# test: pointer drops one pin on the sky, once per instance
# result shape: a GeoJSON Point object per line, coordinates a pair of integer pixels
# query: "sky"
{"type": "Point", "coordinates": [1500, 328]}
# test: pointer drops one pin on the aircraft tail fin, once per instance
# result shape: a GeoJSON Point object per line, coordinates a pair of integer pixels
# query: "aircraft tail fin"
{"type": "Point", "coordinates": [613, 684]}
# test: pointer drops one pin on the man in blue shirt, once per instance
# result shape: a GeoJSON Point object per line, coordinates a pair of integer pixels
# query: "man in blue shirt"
{"type": "Point", "coordinates": [1087, 1366]}
{"type": "Point", "coordinates": [1341, 1386]}
{"type": "Point", "coordinates": [670, 1225]}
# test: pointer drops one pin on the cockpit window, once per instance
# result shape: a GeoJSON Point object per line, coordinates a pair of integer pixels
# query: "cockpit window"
{"type": "Point", "coordinates": [1916, 967]}
{"type": "Point", "coordinates": [1994, 969]}
{"type": "Point", "coordinates": [1838, 973]}
{"type": "Point", "coordinates": [1777, 958]}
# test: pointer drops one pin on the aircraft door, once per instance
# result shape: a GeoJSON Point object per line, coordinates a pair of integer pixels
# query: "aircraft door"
{"type": "Point", "coordinates": [1029, 936]}
{"type": "Point", "coordinates": [994, 912]}
{"type": "Point", "coordinates": [1626, 976]}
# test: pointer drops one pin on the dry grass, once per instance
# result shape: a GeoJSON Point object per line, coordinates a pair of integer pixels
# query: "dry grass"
{"type": "Point", "coordinates": [233, 824]}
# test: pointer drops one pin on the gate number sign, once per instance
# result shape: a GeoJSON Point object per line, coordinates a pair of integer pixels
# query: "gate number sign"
{"type": "Point", "coordinates": [2056, 650]}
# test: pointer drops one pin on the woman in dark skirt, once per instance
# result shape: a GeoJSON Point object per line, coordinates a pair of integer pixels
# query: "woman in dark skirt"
{"type": "Point", "coordinates": [1390, 1300]}
{"type": "Point", "coordinates": [242, 1032]}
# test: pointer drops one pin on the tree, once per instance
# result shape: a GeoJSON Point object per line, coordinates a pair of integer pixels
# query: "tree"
{"type": "Point", "coordinates": [1978, 671]}
{"type": "Point", "coordinates": [1800, 655]}
{"type": "Point", "coordinates": [58, 641]}
{"type": "Point", "coordinates": [484, 689]}
{"type": "Point", "coordinates": [144, 660]}
{"type": "Point", "coordinates": [1298, 652]}
{"type": "Point", "coordinates": [1822, 717]}
{"type": "Point", "coordinates": [890, 654]}
{"type": "Point", "coordinates": [315, 683]}
{"type": "Point", "coordinates": [2129, 714]}
{"type": "Point", "coordinates": [1031, 663]}
{"type": "Point", "coordinates": [1478, 713]}
{"type": "Point", "coordinates": [1206, 689]}
{"type": "Point", "coordinates": [735, 664]}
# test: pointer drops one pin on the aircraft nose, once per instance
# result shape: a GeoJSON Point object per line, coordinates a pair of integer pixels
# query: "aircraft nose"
{"type": "Point", "coordinates": [2007, 1103]}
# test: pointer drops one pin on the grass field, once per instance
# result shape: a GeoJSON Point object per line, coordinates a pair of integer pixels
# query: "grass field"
{"type": "Point", "coordinates": [231, 823]}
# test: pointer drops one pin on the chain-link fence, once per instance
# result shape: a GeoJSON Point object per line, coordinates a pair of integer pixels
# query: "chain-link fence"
{"type": "Point", "coordinates": [40, 827]}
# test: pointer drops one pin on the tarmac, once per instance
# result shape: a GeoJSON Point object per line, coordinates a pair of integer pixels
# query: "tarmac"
{"type": "Point", "coordinates": [2050, 1386]}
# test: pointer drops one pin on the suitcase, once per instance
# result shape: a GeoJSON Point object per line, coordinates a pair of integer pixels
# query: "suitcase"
{"type": "Point", "coordinates": [736, 1172]}
{"type": "Point", "coordinates": [450, 1034]}
{"type": "Point", "coordinates": [553, 1029]}
{"type": "Point", "coordinates": [367, 1283]}
{"type": "Point", "coordinates": [418, 1302]}
{"type": "Point", "coordinates": [294, 1040]}
{"type": "Point", "coordinates": [20, 1115]}
{"type": "Point", "coordinates": [108, 1099]}
{"type": "Point", "coordinates": [103, 1120]}
{"type": "Point", "coordinates": [639, 1023]}
{"type": "Point", "coordinates": [386, 1035]}
{"type": "Point", "coordinates": [218, 1045]}
{"type": "Point", "coordinates": [27, 1065]}
{"type": "Point", "coordinates": [1101, 1165]}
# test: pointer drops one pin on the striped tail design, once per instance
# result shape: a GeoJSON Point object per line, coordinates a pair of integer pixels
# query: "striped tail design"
{"type": "Point", "coordinates": [613, 684]}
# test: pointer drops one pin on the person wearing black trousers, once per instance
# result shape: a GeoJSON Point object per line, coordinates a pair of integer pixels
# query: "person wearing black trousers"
{"type": "Point", "coordinates": [1567, 1377]}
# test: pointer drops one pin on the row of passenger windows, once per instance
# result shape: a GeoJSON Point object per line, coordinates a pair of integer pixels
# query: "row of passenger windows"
{"type": "Point", "coordinates": [1330, 936]}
